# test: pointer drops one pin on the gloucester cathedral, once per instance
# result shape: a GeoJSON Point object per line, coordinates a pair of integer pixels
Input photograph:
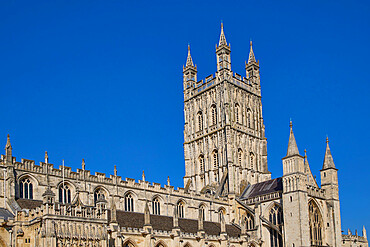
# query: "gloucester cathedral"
{"type": "Point", "coordinates": [228, 198]}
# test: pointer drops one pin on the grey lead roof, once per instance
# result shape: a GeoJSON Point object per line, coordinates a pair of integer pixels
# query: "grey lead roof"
{"type": "Point", "coordinates": [5, 214]}
{"type": "Point", "coordinates": [262, 188]}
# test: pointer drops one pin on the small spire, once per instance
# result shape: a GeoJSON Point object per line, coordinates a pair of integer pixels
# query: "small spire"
{"type": "Point", "coordinates": [189, 60]}
{"type": "Point", "coordinates": [46, 157]}
{"type": "Point", "coordinates": [349, 232]}
{"type": "Point", "coordinates": [83, 164]}
{"type": "Point", "coordinates": [292, 145]}
{"type": "Point", "coordinates": [146, 215]}
{"type": "Point", "coordinates": [328, 160]}
{"type": "Point", "coordinates": [115, 170]}
{"type": "Point", "coordinates": [364, 232]}
{"type": "Point", "coordinates": [251, 58]}
{"type": "Point", "coordinates": [222, 36]}
{"type": "Point", "coordinates": [143, 177]}
{"type": "Point", "coordinates": [8, 145]}
{"type": "Point", "coordinates": [168, 181]}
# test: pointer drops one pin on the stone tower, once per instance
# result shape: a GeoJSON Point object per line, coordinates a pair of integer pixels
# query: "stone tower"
{"type": "Point", "coordinates": [225, 147]}
{"type": "Point", "coordinates": [295, 196]}
{"type": "Point", "coordinates": [329, 182]}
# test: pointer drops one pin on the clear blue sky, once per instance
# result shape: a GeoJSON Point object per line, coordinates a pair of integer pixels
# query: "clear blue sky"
{"type": "Point", "coordinates": [102, 80]}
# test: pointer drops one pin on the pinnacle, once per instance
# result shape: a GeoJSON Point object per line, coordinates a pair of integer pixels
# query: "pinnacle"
{"type": "Point", "coordinates": [189, 60]}
{"type": "Point", "coordinates": [8, 145]}
{"type": "Point", "coordinates": [222, 36]}
{"type": "Point", "coordinates": [251, 58]}
{"type": "Point", "coordinates": [292, 144]}
{"type": "Point", "coordinates": [328, 160]}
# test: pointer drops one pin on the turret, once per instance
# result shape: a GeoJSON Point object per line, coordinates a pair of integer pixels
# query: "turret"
{"type": "Point", "coordinates": [223, 52]}
{"type": "Point", "coordinates": [8, 152]}
{"type": "Point", "coordinates": [252, 69]}
{"type": "Point", "coordinates": [189, 71]}
{"type": "Point", "coordinates": [329, 175]}
{"type": "Point", "coordinates": [293, 162]}
{"type": "Point", "coordinates": [295, 197]}
{"type": "Point", "coordinates": [329, 182]}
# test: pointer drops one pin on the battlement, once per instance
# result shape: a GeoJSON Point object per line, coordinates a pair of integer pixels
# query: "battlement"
{"type": "Point", "coordinates": [211, 80]}
{"type": "Point", "coordinates": [43, 168]}
{"type": "Point", "coordinates": [315, 192]}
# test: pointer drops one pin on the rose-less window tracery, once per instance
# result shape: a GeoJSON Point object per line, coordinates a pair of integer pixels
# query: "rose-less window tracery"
{"type": "Point", "coordinates": [316, 224]}
{"type": "Point", "coordinates": [276, 218]}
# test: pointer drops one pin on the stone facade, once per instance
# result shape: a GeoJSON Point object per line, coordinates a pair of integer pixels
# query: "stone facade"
{"type": "Point", "coordinates": [228, 199]}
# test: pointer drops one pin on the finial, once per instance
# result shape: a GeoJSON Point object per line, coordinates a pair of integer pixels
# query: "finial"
{"type": "Point", "coordinates": [305, 153]}
{"type": "Point", "coordinates": [327, 139]}
{"type": "Point", "coordinates": [115, 170]}
{"type": "Point", "coordinates": [188, 46]}
{"type": "Point", "coordinates": [250, 43]}
{"type": "Point", "coordinates": [46, 157]}
{"type": "Point", "coordinates": [291, 123]}
{"type": "Point", "coordinates": [83, 164]}
{"type": "Point", "coordinates": [143, 176]}
{"type": "Point", "coordinates": [8, 142]}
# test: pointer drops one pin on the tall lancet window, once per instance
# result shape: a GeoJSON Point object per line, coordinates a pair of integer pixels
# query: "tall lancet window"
{"type": "Point", "coordinates": [240, 157]}
{"type": "Point", "coordinates": [180, 209]}
{"type": "Point", "coordinates": [215, 160]}
{"type": "Point", "coordinates": [26, 188]}
{"type": "Point", "coordinates": [64, 193]}
{"type": "Point", "coordinates": [249, 221]}
{"type": "Point", "coordinates": [201, 164]}
{"type": "Point", "coordinates": [214, 115]}
{"type": "Point", "coordinates": [249, 118]}
{"type": "Point", "coordinates": [156, 206]}
{"type": "Point", "coordinates": [276, 218]}
{"type": "Point", "coordinates": [129, 203]}
{"type": "Point", "coordinates": [237, 113]}
{"type": "Point", "coordinates": [252, 160]}
{"type": "Point", "coordinates": [316, 224]}
{"type": "Point", "coordinates": [200, 121]}
{"type": "Point", "coordinates": [202, 210]}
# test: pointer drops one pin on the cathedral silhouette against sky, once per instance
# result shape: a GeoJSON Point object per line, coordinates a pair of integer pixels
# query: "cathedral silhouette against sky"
{"type": "Point", "coordinates": [228, 198]}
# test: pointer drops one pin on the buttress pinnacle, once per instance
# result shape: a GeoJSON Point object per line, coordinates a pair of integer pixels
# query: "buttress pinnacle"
{"type": "Point", "coordinates": [292, 144]}
{"type": "Point", "coordinates": [222, 36]}
{"type": "Point", "coordinates": [328, 160]}
{"type": "Point", "coordinates": [189, 60]}
{"type": "Point", "coordinates": [8, 145]}
{"type": "Point", "coordinates": [251, 58]}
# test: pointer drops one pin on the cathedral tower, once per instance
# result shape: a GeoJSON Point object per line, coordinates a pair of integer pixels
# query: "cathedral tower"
{"type": "Point", "coordinates": [225, 147]}
{"type": "Point", "coordinates": [329, 182]}
{"type": "Point", "coordinates": [295, 196]}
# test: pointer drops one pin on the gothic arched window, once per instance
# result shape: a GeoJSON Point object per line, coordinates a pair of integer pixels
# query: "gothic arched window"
{"type": "Point", "coordinates": [180, 209]}
{"type": "Point", "coordinates": [276, 218]}
{"type": "Point", "coordinates": [316, 224]}
{"type": "Point", "coordinates": [129, 203]}
{"type": "Point", "coordinates": [200, 121]}
{"type": "Point", "coordinates": [221, 214]}
{"type": "Point", "coordinates": [201, 164]}
{"type": "Point", "coordinates": [25, 188]}
{"type": "Point", "coordinates": [64, 193]}
{"type": "Point", "coordinates": [215, 159]}
{"type": "Point", "coordinates": [128, 244]}
{"type": "Point", "coordinates": [156, 206]}
{"type": "Point", "coordinates": [99, 194]}
{"type": "Point", "coordinates": [249, 221]}
{"type": "Point", "coordinates": [214, 114]}
{"type": "Point", "coordinates": [237, 113]}
{"type": "Point", "coordinates": [249, 118]}
{"type": "Point", "coordinates": [202, 211]}
{"type": "Point", "coordinates": [240, 157]}
{"type": "Point", "coordinates": [252, 160]}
